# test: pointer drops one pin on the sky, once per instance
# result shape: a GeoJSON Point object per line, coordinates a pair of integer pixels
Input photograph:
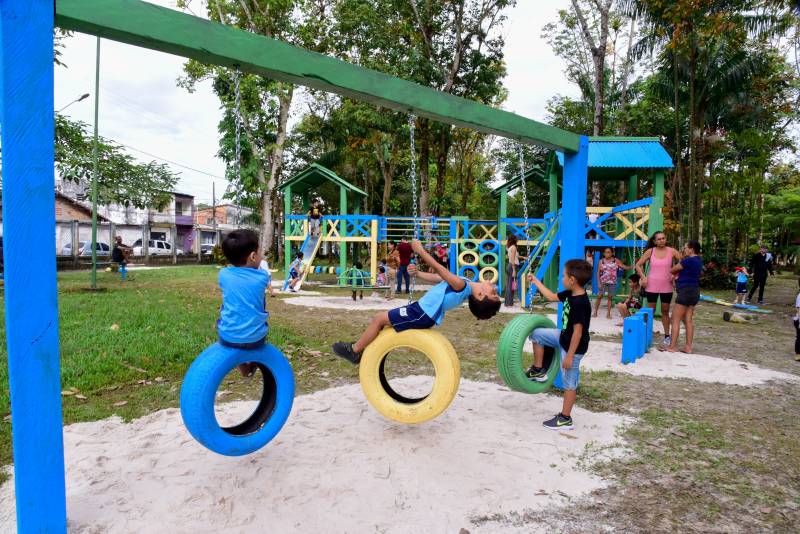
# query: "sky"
{"type": "Point", "coordinates": [142, 107]}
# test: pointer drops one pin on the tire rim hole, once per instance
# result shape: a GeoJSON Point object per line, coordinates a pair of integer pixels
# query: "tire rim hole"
{"type": "Point", "coordinates": [254, 399]}
{"type": "Point", "coordinates": [401, 363]}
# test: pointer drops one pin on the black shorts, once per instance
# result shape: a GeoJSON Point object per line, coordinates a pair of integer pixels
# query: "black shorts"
{"type": "Point", "coordinates": [410, 317]}
{"type": "Point", "coordinates": [688, 296]}
{"type": "Point", "coordinates": [652, 298]}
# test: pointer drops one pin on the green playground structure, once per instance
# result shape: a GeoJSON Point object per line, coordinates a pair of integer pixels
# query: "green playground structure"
{"type": "Point", "coordinates": [477, 247]}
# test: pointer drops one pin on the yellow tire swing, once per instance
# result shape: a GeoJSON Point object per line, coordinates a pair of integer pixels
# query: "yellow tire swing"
{"type": "Point", "coordinates": [379, 393]}
{"type": "Point", "coordinates": [510, 348]}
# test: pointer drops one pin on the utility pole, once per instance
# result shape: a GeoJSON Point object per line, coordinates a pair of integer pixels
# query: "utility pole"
{"type": "Point", "coordinates": [214, 209]}
{"type": "Point", "coordinates": [96, 166]}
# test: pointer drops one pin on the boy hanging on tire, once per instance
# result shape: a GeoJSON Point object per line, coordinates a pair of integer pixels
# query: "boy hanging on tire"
{"type": "Point", "coordinates": [573, 339]}
{"type": "Point", "coordinates": [243, 316]}
{"type": "Point", "coordinates": [449, 292]}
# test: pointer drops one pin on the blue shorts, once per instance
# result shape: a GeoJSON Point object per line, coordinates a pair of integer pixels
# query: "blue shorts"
{"type": "Point", "coordinates": [549, 337]}
{"type": "Point", "coordinates": [410, 317]}
{"type": "Point", "coordinates": [741, 287]}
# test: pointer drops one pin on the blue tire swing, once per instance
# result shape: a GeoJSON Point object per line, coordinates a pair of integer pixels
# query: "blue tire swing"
{"type": "Point", "coordinates": [199, 391]}
{"type": "Point", "coordinates": [202, 380]}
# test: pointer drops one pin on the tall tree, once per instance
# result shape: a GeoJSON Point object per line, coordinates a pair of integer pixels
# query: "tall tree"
{"type": "Point", "coordinates": [265, 104]}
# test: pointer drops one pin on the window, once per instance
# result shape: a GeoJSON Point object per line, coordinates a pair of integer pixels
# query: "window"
{"type": "Point", "coordinates": [167, 246]}
{"type": "Point", "coordinates": [178, 208]}
{"type": "Point", "coordinates": [151, 244]}
{"type": "Point", "coordinates": [160, 244]}
{"type": "Point", "coordinates": [210, 220]}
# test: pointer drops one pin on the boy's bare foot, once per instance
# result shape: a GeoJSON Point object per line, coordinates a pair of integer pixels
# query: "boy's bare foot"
{"type": "Point", "coordinates": [687, 349]}
{"type": "Point", "coordinates": [671, 349]}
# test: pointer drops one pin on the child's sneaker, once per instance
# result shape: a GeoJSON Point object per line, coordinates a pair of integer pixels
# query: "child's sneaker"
{"type": "Point", "coordinates": [537, 374]}
{"type": "Point", "coordinates": [345, 350]}
{"type": "Point", "coordinates": [667, 340]}
{"type": "Point", "coordinates": [559, 422]}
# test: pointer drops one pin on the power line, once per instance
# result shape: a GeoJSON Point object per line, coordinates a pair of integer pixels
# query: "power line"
{"type": "Point", "coordinates": [170, 161]}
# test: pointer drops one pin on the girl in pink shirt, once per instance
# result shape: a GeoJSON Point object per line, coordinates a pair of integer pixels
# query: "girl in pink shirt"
{"type": "Point", "coordinates": [658, 283]}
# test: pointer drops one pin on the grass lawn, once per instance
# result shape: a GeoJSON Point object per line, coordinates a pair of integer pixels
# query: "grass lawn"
{"type": "Point", "coordinates": [705, 457]}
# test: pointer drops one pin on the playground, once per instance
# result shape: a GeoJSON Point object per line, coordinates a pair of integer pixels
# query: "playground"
{"type": "Point", "coordinates": [220, 397]}
{"type": "Point", "coordinates": [125, 441]}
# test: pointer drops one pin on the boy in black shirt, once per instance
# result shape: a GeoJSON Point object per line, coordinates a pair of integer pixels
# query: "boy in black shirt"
{"type": "Point", "coordinates": [573, 340]}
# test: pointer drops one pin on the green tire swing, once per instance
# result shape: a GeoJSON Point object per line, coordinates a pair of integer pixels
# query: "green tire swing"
{"type": "Point", "coordinates": [510, 354]}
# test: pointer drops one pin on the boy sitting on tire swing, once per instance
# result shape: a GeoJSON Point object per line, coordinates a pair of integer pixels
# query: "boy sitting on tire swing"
{"type": "Point", "coordinates": [449, 292]}
{"type": "Point", "coordinates": [573, 340]}
{"type": "Point", "coordinates": [243, 315]}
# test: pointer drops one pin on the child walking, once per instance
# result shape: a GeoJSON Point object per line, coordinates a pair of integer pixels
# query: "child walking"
{"type": "Point", "coordinates": [243, 316]}
{"type": "Point", "coordinates": [607, 279]}
{"type": "Point", "coordinates": [573, 340]}
{"type": "Point", "coordinates": [741, 284]}
{"type": "Point", "coordinates": [295, 268]}
{"type": "Point", "coordinates": [357, 279]}
{"type": "Point", "coordinates": [449, 292]}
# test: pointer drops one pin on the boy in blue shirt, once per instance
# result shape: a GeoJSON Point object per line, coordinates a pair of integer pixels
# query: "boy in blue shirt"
{"type": "Point", "coordinates": [741, 284]}
{"type": "Point", "coordinates": [572, 340]}
{"type": "Point", "coordinates": [449, 292]}
{"type": "Point", "coordinates": [243, 316]}
{"type": "Point", "coordinates": [295, 268]}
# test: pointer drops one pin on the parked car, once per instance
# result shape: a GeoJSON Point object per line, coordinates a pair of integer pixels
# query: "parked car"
{"type": "Point", "coordinates": [155, 247]}
{"type": "Point", "coordinates": [85, 249]}
{"type": "Point", "coordinates": [207, 249]}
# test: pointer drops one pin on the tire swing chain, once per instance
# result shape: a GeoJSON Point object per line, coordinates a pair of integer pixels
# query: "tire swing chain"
{"type": "Point", "coordinates": [414, 202]}
{"type": "Point", "coordinates": [237, 162]}
{"type": "Point", "coordinates": [520, 157]}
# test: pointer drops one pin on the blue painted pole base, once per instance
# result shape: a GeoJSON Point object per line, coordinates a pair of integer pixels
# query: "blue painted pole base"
{"type": "Point", "coordinates": [632, 328]}
{"type": "Point", "coordinates": [199, 392]}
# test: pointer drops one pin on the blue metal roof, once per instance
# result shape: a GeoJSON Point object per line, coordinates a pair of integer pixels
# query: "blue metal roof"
{"type": "Point", "coordinates": [632, 154]}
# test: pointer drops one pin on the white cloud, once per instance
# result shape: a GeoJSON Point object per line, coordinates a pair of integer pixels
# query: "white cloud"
{"type": "Point", "coordinates": [141, 106]}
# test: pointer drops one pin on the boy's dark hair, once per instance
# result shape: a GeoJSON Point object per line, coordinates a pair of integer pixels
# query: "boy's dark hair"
{"type": "Point", "coordinates": [358, 265]}
{"type": "Point", "coordinates": [485, 308]}
{"type": "Point", "coordinates": [635, 278]}
{"type": "Point", "coordinates": [580, 269]}
{"type": "Point", "coordinates": [238, 245]}
{"type": "Point", "coordinates": [694, 245]}
{"type": "Point", "coordinates": [299, 256]}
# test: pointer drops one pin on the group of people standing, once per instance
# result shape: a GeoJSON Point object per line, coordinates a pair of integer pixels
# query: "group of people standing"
{"type": "Point", "coordinates": [662, 274]}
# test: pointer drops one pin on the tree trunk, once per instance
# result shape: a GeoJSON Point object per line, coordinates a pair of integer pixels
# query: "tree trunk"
{"type": "Point", "coordinates": [442, 152]}
{"type": "Point", "coordinates": [276, 163]}
{"type": "Point", "coordinates": [424, 164]}
{"type": "Point", "coordinates": [691, 228]}
{"type": "Point", "coordinates": [625, 75]}
{"type": "Point", "coordinates": [387, 171]}
{"type": "Point", "coordinates": [678, 177]}
{"type": "Point", "coordinates": [599, 50]}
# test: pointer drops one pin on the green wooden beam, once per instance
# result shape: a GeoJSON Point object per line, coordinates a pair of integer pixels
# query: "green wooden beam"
{"type": "Point", "coordinates": [158, 28]}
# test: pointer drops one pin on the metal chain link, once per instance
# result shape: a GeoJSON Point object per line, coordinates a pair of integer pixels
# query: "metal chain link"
{"type": "Point", "coordinates": [521, 158]}
{"type": "Point", "coordinates": [237, 165]}
{"type": "Point", "coordinates": [414, 202]}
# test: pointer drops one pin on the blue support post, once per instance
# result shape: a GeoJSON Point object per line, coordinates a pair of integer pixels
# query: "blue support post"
{"type": "Point", "coordinates": [647, 313]}
{"type": "Point", "coordinates": [630, 335]}
{"type": "Point", "coordinates": [595, 266]}
{"type": "Point", "coordinates": [573, 216]}
{"type": "Point", "coordinates": [31, 304]}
